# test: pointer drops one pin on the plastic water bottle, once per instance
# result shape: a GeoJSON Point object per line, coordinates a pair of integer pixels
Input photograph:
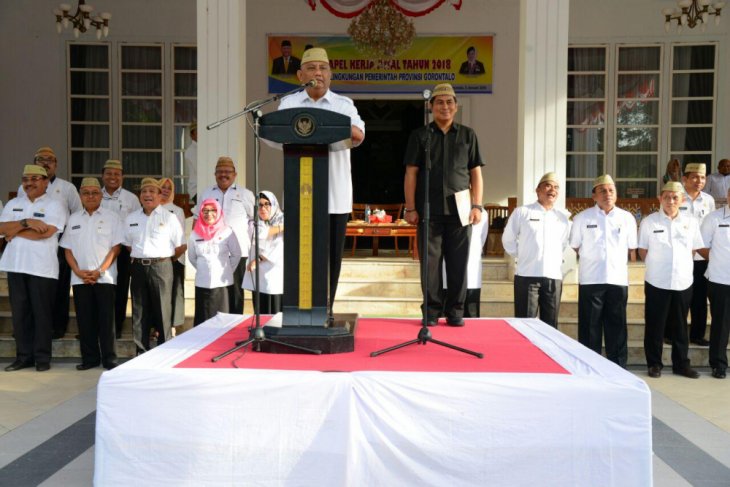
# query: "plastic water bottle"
{"type": "Point", "coordinates": [367, 213]}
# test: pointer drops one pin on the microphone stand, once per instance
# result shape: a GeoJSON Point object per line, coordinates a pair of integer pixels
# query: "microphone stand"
{"type": "Point", "coordinates": [424, 334]}
{"type": "Point", "coordinates": [256, 335]}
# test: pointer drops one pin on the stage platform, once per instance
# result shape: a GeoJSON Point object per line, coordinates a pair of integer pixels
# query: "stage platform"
{"type": "Point", "coordinates": [539, 409]}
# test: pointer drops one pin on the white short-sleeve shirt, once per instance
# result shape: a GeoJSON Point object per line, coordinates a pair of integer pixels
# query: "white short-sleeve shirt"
{"type": "Point", "coordinates": [339, 197]}
{"type": "Point", "coordinates": [90, 238]}
{"type": "Point", "coordinates": [214, 259]}
{"type": "Point", "coordinates": [154, 236]}
{"type": "Point", "coordinates": [238, 206]}
{"type": "Point", "coordinates": [121, 201]}
{"type": "Point", "coordinates": [63, 192]}
{"type": "Point", "coordinates": [716, 236]}
{"type": "Point", "coordinates": [34, 257]}
{"type": "Point", "coordinates": [537, 238]}
{"type": "Point", "coordinates": [603, 241]}
{"type": "Point", "coordinates": [180, 215]}
{"type": "Point", "coordinates": [698, 208]}
{"type": "Point", "coordinates": [669, 244]}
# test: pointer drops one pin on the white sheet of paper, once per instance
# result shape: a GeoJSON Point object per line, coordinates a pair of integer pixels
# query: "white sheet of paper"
{"type": "Point", "coordinates": [463, 206]}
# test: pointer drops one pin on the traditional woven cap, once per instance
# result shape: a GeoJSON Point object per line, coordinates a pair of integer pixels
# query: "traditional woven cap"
{"type": "Point", "coordinates": [551, 176]}
{"type": "Point", "coordinates": [674, 187]}
{"type": "Point", "coordinates": [443, 89]}
{"type": "Point", "coordinates": [225, 161]}
{"type": "Point", "coordinates": [194, 127]}
{"type": "Point", "coordinates": [697, 167]}
{"type": "Point", "coordinates": [90, 183]}
{"type": "Point", "coordinates": [113, 164]}
{"type": "Point", "coordinates": [45, 150]}
{"type": "Point", "coordinates": [149, 182]}
{"type": "Point", "coordinates": [32, 169]}
{"type": "Point", "coordinates": [603, 179]}
{"type": "Point", "coordinates": [315, 54]}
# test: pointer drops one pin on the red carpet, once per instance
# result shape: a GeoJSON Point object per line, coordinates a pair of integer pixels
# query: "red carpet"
{"type": "Point", "coordinates": [504, 349]}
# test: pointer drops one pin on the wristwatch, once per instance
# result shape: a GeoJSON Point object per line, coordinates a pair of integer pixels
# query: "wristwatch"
{"type": "Point", "coordinates": [101, 272]}
{"type": "Point", "coordinates": [24, 223]}
{"type": "Point", "coordinates": [477, 207]}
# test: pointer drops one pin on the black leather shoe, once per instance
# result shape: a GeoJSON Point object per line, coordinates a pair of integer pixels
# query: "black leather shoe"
{"type": "Point", "coordinates": [655, 372]}
{"type": "Point", "coordinates": [18, 365]}
{"type": "Point", "coordinates": [688, 372]}
{"type": "Point", "coordinates": [86, 366]}
{"type": "Point", "coordinates": [455, 322]}
{"type": "Point", "coordinates": [430, 322]}
{"type": "Point", "coordinates": [718, 373]}
{"type": "Point", "coordinates": [42, 367]}
{"type": "Point", "coordinates": [110, 365]}
{"type": "Point", "coordinates": [701, 342]}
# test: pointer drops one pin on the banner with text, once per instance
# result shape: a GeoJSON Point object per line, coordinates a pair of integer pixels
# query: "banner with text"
{"type": "Point", "coordinates": [463, 61]}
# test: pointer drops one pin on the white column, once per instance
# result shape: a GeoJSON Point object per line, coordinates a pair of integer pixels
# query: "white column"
{"type": "Point", "coordinates": [221, 34]}
{"type": "Point", "coordinates": [543, 94]}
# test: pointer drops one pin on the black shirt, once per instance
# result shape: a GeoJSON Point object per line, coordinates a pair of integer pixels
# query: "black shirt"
{"type": "Point", "coordinates": [453, 155]}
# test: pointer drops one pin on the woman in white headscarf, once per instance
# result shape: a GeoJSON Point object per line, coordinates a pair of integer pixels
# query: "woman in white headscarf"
{"type": "Point", "coordinates": [271, 255]}
{"type": "Point", "coordinates": [178, 266]}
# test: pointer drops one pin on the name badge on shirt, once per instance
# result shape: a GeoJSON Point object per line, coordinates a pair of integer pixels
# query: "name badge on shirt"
{"type": "Point", "coordinates": [682, 208]}
{"type": "Point", "coordinates": [591, 226]}
{"type": "Point", "coordinates": [534, 219]}
{"type": "Point", "coordinates": [17, 209]}
{"type": "Point", "coordinates": [75, 227]}
{"type": "Point", "coordinates": [133, 224]}
{"type": "Point", "coordinates": [39, 215]}
{"type": "Point", "coordinates": [658, 231]}
{"type": "Point", "coordinates": [200, 240]}
{"type": "Point", "coordinates": [724, 225]}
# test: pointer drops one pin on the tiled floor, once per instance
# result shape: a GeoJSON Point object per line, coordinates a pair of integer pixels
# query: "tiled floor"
{"type": "Point", "coordinates": [49, 417]}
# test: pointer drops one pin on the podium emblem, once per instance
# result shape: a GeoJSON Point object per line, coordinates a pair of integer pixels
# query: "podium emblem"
{"type": "Point", "coordinates": [304, 125]}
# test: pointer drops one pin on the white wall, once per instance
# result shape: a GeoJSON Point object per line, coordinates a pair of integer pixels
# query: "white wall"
{"type": "Point", "coordinates": [33, 79]}
{"type": "Point", "coordinates": [494, 117]}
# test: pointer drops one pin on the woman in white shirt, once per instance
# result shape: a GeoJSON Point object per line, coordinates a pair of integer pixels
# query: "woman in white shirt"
{"type": "Point", "coordinates": [178, 266]}
{"type": "Point", "coordinates": [214, 251]}
{"type": "Point", "coordinates": [271, 255]}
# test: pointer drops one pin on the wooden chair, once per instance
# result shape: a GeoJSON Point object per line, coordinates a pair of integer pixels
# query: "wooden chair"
{"type": "Point", "coordinates": [395, 210]}
{"type": "Point", "coordinates": [497, 219]}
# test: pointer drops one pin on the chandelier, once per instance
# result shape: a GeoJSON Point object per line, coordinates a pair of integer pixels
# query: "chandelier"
{"type": "Point", "coordinates": [692, 13]}
{"type": "Point", "coordinates": [381, 31]}
{"type": "Point", "coordinates": [82, 20]}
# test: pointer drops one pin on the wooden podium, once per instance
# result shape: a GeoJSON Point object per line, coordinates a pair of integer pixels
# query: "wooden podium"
{"type": "Point", "coordinates": [307, 134]}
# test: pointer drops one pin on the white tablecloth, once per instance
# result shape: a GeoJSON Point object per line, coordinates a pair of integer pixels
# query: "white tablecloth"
{"type": "Point", "coordinates": [158, 425]}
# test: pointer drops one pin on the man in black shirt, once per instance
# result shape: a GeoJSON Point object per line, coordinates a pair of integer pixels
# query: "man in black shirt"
{"type": "Point", "coordinates": [455, 168]}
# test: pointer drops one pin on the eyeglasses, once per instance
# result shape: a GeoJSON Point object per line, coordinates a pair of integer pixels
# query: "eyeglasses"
{"type": "Point", "coordinates": [32, 179]}
{"type": "Point", "coordinates": [264, 205]}
{"type": "Point", "coordinates": [45, 159]}
{"type": "Point", "coordinates": [210, 210]}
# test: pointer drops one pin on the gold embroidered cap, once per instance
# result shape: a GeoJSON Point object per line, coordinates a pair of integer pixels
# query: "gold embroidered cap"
{"type": "Point", "coordinates": [225, 161]}
{"type": "Point", "coordinates": [442, 89]}
{"type": "Point", "coordinates": [32, 170]}
{"type": "Point", "coordinates": [551, 176]}
{"type": "Point", "coordinates": [603, 179]}
{"type": "Point", "coordinates": [149, 182]}
{"type": "Point", "coordinates": [44, 150]}
{"type": "Point", "coordinates": [674, 187]}
{"type": "Point", "coordinates": [90, 183]}
{"type": "Point", "coordinates": [112, 164]}
{"type": "Point", "coordinates": [315, 54]}
{"type": "Point", "coordinates": [697, 167]}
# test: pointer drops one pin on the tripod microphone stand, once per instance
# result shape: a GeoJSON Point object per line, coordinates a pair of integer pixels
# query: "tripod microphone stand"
{"type": "Point", "coordinates": [256, 334]}
{"type": "Point", "coordinates": [424, 334]}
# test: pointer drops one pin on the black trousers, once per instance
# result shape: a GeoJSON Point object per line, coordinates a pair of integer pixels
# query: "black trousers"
{"type": "Point", "coordinates": [535, 295]}
{"type": "Point", "coordinates": [448, 242]}
{"type": "Point", "coordinates": [151, 301]}
{"type": "Point", "coordinates": [122, 290]}
{"type": "Point", "coordinates": [95, 316]}
{"type": "Point", "coordinates": [270, 303]}
{"type": "Point", "coordinates": [666, 308]}
{"type": "Point", "coordinates": [338, 228]}
{"type": "Point", "coordinates": [698, 308]}
{"type": "Point", "coordinates": [235, 293]}
{"type": "Point", "coordinates": [32, 316]}
{"type": "Point", "coordinates": [602, 314]}
{"type": "Point", "coordinates": [62, 295]}
{"type": "Point", "coordinates": [720, 328]}
{"type": "Point", "coordinates": [178, 294]}
{"type": "Point", "coordinates": [472, 303]}
{"type": "Point", "coordinates": [208, 302]}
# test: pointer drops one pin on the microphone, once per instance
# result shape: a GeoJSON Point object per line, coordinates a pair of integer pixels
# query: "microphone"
{"type": "Point", "coordinates": [309, 84]}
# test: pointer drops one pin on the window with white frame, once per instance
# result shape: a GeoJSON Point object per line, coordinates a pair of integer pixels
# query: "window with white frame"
{"type": "Point", "coordinates": [143, 120]}
{"type": "Point", "coordinates": [631, 108]}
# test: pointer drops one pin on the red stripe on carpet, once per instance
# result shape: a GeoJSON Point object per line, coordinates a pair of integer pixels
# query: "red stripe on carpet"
{"type": "Point", "coordinates": [504, 349]}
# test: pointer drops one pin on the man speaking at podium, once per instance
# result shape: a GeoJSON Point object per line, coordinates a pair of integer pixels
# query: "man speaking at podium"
{"type": "Point", "coordinates": [315, 66]}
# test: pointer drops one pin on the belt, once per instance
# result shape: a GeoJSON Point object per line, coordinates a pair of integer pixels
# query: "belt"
{"type": "Point", "coordinates": [137, 260]}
